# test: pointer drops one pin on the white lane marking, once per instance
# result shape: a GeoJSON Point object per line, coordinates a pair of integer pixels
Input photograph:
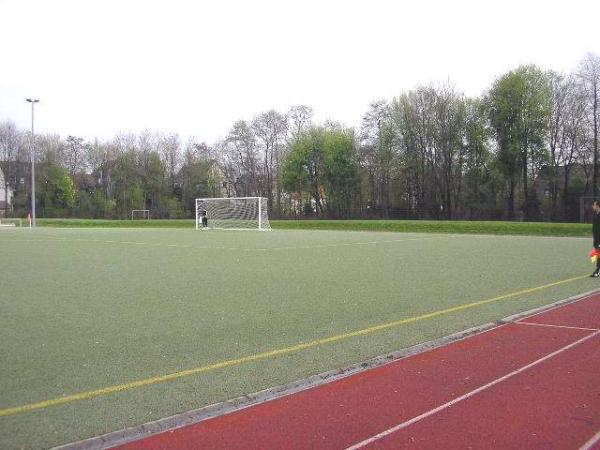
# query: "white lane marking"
{"type": "Point", "coordinates": [591, 443]}
{"type": "Point", "coordinates": [469, 394]}
{"type": "Point", "coordinates": [549, 325]}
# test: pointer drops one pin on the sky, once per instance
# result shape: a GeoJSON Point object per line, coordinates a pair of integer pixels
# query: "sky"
{"type": "Point", "coordinates": [103, 67]}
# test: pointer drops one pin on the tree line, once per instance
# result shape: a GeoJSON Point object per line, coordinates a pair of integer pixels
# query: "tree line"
{"type": "Point", "coordinates": [525, 149]}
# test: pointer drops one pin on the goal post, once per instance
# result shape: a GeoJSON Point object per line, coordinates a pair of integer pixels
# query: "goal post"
{"type": "Point", "coordinates": [232, 213]}
{"type": "Point", "coordinates": [143, 214]}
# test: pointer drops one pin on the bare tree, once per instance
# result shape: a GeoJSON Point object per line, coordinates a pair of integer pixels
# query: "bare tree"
{"type": "Point", "coordinates": [589, 74]}
{"type": "Point", "coordinates": [50, 148]}
{"type": "Point", "coordinates": [146, 144]}
{"type": "Point", "coordinates": [566, 133]}
{"type": "Point", "coordinates": [73, 154]}
{"type": "Point", "coordinates": [270, 129]}
{"type": "Point", "coordinates": [378, 153]}
{"type": "Point", "coordinates": [100, 159]}
{"type": "Point", "coordinates": [10, 139]}
{"type": "Point", "coordinates": [125, 142]}
{"type": "Point", "coordinates": [299, 118]}
{"type": "Point", "coordinates": [171, 154]}
{"type": "Point", "coordinates": [240, 160]}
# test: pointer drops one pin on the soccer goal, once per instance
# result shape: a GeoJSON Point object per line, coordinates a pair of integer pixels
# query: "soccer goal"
{"type": "Point", "coordinates": [236, 213]}
{"type": "Point", "coordinates": [5, 223]}
{"type": "Point", "coordinates": [143, 214]}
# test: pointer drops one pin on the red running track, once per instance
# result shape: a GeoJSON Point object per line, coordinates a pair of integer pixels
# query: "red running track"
{"type": "Point", "coordinates": [530, 384]}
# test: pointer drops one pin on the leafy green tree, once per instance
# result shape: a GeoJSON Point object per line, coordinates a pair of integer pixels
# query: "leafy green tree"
{"type": "Point", "coordinates": [103, 207]}
{"type": "Point", "coordinates": [198, 177]}
{"type": "Point", "coordinates": [519, 112]}
{"type": "Point", "coordinates": [55, 191]}
{"type": "Point", "coordinates": [340, 160]}
{"type": "Point", "coordinates": [323, 163]}
{"type": "Point", "coordinates": [155, 185]}
{"type": "Point", "coordinates": [303, 168]}
{"type": "Point", "coordinates": [479, 199]}
{"type": "Point", "coordinates": [128, 191]}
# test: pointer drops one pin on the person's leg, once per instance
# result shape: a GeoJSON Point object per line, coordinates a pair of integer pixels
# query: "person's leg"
{"type": "Point", "coordinates": [597, 271]}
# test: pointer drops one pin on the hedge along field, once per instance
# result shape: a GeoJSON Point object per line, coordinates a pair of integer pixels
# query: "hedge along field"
{"type": "Point", "coordinates": [430, 226]}
{"type": "Point", "coordinates": [406, 226]}
{"type": "Point", "coordinates": [106, 223]}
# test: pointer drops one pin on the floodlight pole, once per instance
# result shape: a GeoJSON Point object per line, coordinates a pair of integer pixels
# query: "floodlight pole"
{"type": "Point", "coordinates": [33, 101]}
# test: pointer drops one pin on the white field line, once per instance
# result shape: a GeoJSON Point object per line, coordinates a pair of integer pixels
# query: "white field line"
{"type": "Point", "coordinates": [259, 249]}
{"type": "Point", "coordinates": [591, 443]}
{"type": "Point", "coordinates": [555, 326]}
{"type": "Point", "coordinates": [468, 395]}
{"type": "Point", "coordinates": [437, 234]}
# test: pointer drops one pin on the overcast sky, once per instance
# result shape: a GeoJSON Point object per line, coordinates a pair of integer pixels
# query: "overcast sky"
{"type": "Point", "coordinates": [101, 67]}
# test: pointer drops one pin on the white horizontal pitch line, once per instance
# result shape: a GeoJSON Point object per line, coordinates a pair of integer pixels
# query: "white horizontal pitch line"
{"type": "Point", "coordinates": [347, 244]}
{"type": "Point", "coordinates": [467, 395]}
{"type": "Point", "coordinates": [258, 249]}
{"type": "Point", "coordinates": [556, 326]}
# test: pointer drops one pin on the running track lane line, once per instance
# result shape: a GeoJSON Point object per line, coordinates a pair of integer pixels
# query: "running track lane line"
{"type": "Point", "coordinates": [469, 394]}
{"type": "Point", "coordinates": [589, 445]}
{"type": "Point", "coordinates": [259, 356]}
{"type": "Point", "coordinates": [531, 324]}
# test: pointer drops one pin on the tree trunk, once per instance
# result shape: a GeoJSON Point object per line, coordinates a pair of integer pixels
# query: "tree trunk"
{"type": "Point", "coordinates": [511, 198]}
{"type": "Point", "coordinates": [525, 187]}
{"type": "Point", "coordinates": [565, 191]}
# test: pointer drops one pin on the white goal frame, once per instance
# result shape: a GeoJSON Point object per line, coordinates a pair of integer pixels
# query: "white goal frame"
{"type": "Point", "coordinates": [251, 215]}
{"type": "Point", "coordinates": [146, 212]}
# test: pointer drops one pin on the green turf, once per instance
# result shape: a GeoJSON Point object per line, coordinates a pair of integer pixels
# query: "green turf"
{"type": "Point", "coordinates": [404, 226]}
{"type": "Point", "coordinates": [83, 309]}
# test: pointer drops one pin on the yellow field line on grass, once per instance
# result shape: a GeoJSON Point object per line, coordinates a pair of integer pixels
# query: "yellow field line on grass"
{"type": "Point", "coordinates": [278, 352]}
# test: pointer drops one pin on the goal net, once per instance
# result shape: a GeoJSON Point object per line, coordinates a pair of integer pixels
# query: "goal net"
{"type": "Point", "coordinates": [143, 214]}
{"type": "Point", "coordinates": [236, 213]}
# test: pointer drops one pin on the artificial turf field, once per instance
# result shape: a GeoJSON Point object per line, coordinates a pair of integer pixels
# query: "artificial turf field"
{"type": "Point", "coordinates": [106, 312]}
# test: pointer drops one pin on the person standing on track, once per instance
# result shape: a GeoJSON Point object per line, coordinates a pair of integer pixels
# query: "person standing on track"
{"type": "Point", "coordinates": [596, 234]}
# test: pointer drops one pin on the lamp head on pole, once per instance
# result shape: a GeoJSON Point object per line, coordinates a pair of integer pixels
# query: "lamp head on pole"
{"type": "Point", "coordinates": [32, 100]}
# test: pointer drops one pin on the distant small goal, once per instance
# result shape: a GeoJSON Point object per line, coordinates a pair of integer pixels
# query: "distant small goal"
{"type": "Point", "coordinates": [232, 213]}
{"type": "Point", "coordinates": [140, 214]}
{"type": "Point", "coordinates": [11, 223]}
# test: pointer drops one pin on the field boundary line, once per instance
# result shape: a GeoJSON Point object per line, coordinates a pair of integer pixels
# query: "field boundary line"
{"type": "Point", "coordinates": [86, 395]}
{"type": "Point", "coordinates": [241, 249]}
{"type": "Point", "coordinates": [482, 388]}
{"type": "Point", "coordinates": [194, 416]}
